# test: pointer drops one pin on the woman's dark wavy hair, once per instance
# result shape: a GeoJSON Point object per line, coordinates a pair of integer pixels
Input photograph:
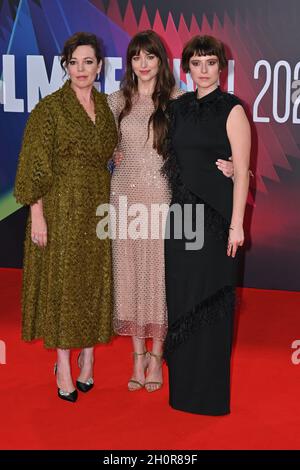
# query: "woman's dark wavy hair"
{"type": "Point", "coordinates": [151, 43]}
{"type": "Point", "coordinates": [80, 39]}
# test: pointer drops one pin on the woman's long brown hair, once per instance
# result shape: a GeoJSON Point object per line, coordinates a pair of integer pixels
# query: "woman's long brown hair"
{"type": "Point", "coordinates": [151, 43]}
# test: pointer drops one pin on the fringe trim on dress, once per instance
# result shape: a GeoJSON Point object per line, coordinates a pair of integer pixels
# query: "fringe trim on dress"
{"type": "Point", "coordinates": [211, 310]}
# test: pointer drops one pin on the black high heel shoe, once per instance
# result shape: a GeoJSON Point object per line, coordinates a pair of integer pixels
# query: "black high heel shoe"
{"type": "Point", "coordinates": [84, 386]}
{"type": "Point", "coordinates": [68, 396]}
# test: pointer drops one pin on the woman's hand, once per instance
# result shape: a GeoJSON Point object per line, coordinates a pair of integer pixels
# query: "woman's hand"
{"type": "Point", "coordinates": [115, 161]}
{"type": "Point", "coordinates": [118, 157]}
{"type": "Point", "coordinates": [235, 239]}
{"type": "Point", "coordinates": [38, 225]}
{"type": "Point", "coordinates": [226, 167]}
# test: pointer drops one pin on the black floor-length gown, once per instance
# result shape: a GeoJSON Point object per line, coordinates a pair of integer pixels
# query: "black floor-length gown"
{"type": "Point", "coordinates": [200, 284]}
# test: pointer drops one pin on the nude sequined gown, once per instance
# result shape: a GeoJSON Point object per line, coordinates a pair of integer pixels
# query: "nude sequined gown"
{"type": "Point", "coordinates": [138, 264]}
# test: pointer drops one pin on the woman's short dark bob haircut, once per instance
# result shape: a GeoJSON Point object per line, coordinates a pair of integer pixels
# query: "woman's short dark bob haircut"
{"type": "Point", "coordinates": [203, 45]}
{"type": "Point", "coordinates": [80, 39]}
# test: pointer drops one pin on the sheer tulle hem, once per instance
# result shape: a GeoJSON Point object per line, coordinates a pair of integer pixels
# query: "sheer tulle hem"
{"type": "Point", "coordinates": [149, 330]}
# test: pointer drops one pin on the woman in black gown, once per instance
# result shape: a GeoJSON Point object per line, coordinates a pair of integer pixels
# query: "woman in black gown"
{"type": "Point", "coordinates": [201, 283]}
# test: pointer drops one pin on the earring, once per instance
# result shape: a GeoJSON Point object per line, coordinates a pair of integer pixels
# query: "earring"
{"type": "Point", "coordinates": [98, 75]}
{"type": "Point", "coordinates": [133, 76]}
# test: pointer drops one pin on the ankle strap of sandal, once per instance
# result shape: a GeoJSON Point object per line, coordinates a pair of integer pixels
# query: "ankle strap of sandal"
{"type": "Point", "coordinates": [157, 356]}
{"type": "Point", "coordinates": [140, 354]}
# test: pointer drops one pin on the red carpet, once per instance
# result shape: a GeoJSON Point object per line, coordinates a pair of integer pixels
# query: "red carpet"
{"type": "Point", "coordinates": [265, 406]}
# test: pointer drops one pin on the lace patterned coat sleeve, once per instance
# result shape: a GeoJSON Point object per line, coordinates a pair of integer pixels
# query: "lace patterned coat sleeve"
{"type": "Point", "coordinates": [34, 172]}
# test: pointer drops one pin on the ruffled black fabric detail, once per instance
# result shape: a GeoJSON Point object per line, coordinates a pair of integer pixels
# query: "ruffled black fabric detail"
{"type": "Point", "coordinates": [211, 310]}
{"type": "Point", "coordinates": [216, 103]}
{"type": "Point", "coordinates": [213, 220]}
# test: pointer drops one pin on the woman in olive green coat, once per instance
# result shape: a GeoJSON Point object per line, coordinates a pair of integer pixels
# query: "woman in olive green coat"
{"type": "Point", "coordinates": [62, 174]}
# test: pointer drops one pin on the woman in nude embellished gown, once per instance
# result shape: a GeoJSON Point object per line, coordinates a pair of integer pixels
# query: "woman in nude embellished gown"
{"type": "Point", "coordinates": [138, 264]}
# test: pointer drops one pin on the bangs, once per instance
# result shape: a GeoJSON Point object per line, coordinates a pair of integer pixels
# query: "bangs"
{"type": "Point", "coordinates": [203, 51]}
{"type": "Point", "coordinates": [205, 46]}
{"type": "Point", "coordinates": [142, 43]}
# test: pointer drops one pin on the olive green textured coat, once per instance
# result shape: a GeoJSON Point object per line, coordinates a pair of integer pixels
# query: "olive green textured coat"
{"type": "Point", "coordinates": [67, 286]}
